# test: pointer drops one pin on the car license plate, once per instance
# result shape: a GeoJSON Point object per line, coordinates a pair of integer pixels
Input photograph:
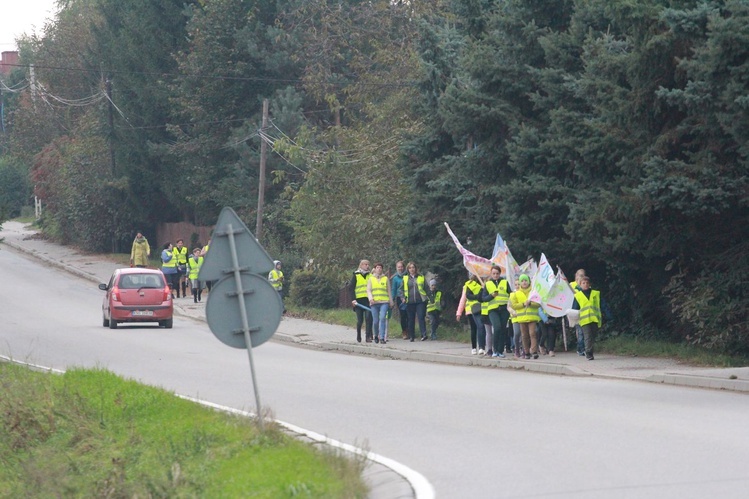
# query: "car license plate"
{"type": "Point", "coordinates": [141, 313]}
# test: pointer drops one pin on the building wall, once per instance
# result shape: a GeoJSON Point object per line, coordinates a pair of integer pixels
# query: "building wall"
{"type": "Point", "coordinates": [8, 60]}
{"type": "Point", "coordinates": [170, 232]}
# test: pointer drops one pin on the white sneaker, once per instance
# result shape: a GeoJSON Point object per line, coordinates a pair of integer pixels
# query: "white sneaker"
{"type": "Point", "coordinates": [481, 351]}
{"type": "Point", "coordinates": [551, 354]}
{"type": "Point", "coordinates": [473, 351]}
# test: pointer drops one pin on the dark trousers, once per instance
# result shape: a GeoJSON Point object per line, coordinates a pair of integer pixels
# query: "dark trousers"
{"type": "Point", "coordinates": [417, 311]}
{"type": "Point", "coordinates": [363, 316]}
{"type": "Point", "coordinates": [589, 334]}
{"type": "Point", "coordinates": [499, 317]}
{"type": "Point", "coordinates": [173, 281]}
{"type": "Point", "coordinates": [547, 337]}
{"type": "Point", "coordinates": [472, 323]}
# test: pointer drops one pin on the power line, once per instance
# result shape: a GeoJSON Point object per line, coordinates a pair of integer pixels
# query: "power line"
{"type": "Point", "coordinates": [216, 77]}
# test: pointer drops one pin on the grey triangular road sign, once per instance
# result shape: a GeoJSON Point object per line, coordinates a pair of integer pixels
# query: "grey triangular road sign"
{"type": "Point", "coordinates": [250, 255]}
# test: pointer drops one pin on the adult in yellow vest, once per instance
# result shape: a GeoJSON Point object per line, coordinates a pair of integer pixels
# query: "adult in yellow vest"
{"type": "Point", "coordinates": [527, 317]}
{"type": "Point", "coordinates": [496, 294]}
{"type": "Point", "coordinates": [588, 302]}
{"type": "Point", "coordinates": [397, 294]}
{"type": "Point", "coordinates": [434, 308]}
{"type": "Point", "coordinates": [415, 297]}
{"type": "Point", "coordinates": [361, 300]}
{"type": "Point", "coordinates": [488, 332]}
{"type": "Point", "coordinates": [471, 291]}
{"type": "Point", "coordinates": [169, 267]}
{"type": "Point", "coordinates": [193, 270]}
{"type": "Point", "coordinates": [380, 300]}
{"type": "Point", "coordinates": [180, 253]}
{"type": "Point", "coordinates": [275, 277]}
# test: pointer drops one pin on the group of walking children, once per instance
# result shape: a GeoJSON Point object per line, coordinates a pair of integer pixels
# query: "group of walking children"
{"type": "Point", "coordinates": [505, 322]}
{"type": "Point", "coordinates": [376, 295]}
{"type": "Point", "coordinates": [502, 322]}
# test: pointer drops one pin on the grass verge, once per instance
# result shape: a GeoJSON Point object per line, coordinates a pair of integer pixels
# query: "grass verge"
{"type": "Point", "coordinates": [636, 347]}
{"type": "Point", "coordinates": [89, 433]}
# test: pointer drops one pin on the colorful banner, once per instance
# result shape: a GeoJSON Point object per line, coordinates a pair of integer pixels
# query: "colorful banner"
{"type": "Point", "coordinates": [553, 292]}
{"type": "Point", "coordinates": [541, 281]}
{"type": "Point", "coordinates": [475, 264]}
{"type": "Point", "coordinates": [499, 256]}
{"type": "Point", "coordinates": [513, 269]}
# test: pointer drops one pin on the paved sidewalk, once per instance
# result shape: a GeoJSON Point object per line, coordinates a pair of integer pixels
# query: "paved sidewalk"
{"type": "Point", "coordinates": [341, 338]}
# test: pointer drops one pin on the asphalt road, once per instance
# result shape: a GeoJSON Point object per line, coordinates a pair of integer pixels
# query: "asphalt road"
{"type": "Point", "coordinates": [472, 432]}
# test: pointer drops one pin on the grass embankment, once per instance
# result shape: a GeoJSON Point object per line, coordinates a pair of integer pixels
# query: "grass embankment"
{"type": "Point", "coordinates": [89, 433]}
{"type": "Point", "coordinates": [449, 330]}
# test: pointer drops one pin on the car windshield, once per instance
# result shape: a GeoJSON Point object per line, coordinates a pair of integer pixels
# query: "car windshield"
{"type": "Point", "coordinates": [138, 281]}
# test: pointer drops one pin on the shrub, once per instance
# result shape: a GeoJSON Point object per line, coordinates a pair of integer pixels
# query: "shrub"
{"type": "Point", "coordinates": [312, 289]}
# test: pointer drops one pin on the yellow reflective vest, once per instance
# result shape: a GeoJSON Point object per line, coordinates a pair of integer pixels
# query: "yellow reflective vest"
{"type": "Point", "coordinates": [172, 262]}
{"type": "Point", "coordinates": [502, 298]}
{"type": "Point", "coordinates": [379, 288]}
{"type": "Point", "coordinates": [474, 288]}
{"type": "Point", "coordinates": [194, 266]}
{"type": "Point", "coordinates": [525, 314]}
{"type": "Point", "coordinates": [360, 291]}
{"type": "Point", "coordinates": [275, 277]}
{"type": "Point", "coordinates": [180, 255]}
{"type": "Point", "coordinates": [436, 305]}
{"type": "Point", "coordinates": [590, 308]}
{"type": "Point", "coordinates": [419, 287]}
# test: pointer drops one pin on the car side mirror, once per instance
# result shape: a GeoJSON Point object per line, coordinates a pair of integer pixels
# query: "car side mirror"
{"type": "Point", "coordinates": [103, 287]}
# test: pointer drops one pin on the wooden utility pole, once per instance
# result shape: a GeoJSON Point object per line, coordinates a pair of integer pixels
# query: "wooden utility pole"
{"type": "Point", "coordinates": [110, 119]}
{"type": "Point", "coordinates": [261, 177]}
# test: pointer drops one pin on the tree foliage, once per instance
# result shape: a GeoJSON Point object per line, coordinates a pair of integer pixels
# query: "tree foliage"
{"type": "Point", "coordinates": [608, 134]}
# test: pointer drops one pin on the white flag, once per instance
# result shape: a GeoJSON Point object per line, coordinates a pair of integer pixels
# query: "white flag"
{"type": "Point", "coordinates": [560, 297]}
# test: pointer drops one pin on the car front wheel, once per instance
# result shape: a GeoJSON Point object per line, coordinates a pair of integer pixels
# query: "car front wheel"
{"type": "Point", "coordinates": [105, 322]}
{"type": "Point", "coordinates": [112, 324]}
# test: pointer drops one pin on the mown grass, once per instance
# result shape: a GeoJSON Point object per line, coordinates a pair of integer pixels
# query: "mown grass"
{"type": "Point", "coordinates": [89, 433]}
{"type": "Point", "coordinates": [636, 347]}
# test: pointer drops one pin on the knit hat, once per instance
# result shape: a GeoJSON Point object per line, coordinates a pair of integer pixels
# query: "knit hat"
{"type": "Point", "coordinates": [524, 277]}
{"type": "Point", "coordinates": [433, 282]}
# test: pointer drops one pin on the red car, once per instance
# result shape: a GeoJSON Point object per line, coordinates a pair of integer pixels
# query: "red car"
{"type": "Point", "coordinates": [137, 295]}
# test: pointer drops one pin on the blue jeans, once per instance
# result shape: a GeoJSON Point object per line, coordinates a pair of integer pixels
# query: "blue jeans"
{"type": "Point", "coordinates": [434, 319]}
{"type": "Point", "coordinates": [580, 339]}
{"type": "Point", "coordinates": [480, 330]}
{"type": "Point", "coordinates": [379, 318]}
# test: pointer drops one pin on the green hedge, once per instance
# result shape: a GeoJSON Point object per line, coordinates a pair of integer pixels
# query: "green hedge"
{"type": "Point", "coordinates": [311, 289]}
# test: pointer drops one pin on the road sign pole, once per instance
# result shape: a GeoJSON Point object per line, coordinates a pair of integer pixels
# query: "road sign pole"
{"type": "Point", "coordinates": [243, 315]}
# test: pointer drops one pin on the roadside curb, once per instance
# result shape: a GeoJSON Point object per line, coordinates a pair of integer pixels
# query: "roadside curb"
{"type": "Point", "coordinates": [440, 358]}
{"type": "Point", "coordinates": [685, 380]}
{"type": "Point", "coordinates": [67, 268]}
{"type": "Point", "coordinates": [735, 385]}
